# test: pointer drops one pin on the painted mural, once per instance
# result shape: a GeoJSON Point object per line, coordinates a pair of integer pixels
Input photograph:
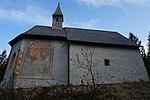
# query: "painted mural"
{"type": "Point", "coordinates": [38, 59]}
{"type": "Point", "coordinates": [19, 62]}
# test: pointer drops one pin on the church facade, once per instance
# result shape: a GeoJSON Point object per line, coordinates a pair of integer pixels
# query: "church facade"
{"type": "Point", "coordinates": [47, 56]}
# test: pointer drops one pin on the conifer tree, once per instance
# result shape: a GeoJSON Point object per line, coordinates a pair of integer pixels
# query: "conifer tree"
{"type": "Point", "coordinates": [148, 56]}
{"type": "Point", "coordinates": [148, 53]}
{"type": "Point", "coordinates": [3, 64]}
{"type": "Point", "coordinates": [136, 40]}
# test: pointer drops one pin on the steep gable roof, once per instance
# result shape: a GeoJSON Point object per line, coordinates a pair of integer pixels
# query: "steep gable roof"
{"type": "Point", "coordinates": [76, 34]}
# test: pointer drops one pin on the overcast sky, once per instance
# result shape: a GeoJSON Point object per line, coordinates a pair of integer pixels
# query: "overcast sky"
{"type": "Point", "coordinates": [124, 16]}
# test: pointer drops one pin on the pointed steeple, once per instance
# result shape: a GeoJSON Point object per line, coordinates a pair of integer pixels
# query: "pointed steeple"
{"type": "Point", "coordinates": [58, 11]}
{"type": "Point", "coordinates": [57, 18]}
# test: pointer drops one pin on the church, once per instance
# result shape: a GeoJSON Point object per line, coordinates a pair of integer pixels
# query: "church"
{"type": "Point", "coordinates": [57, 55]}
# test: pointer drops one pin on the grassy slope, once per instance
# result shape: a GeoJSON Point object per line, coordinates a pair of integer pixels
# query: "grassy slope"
{"type": "Point", "coordinates": [119, 91]}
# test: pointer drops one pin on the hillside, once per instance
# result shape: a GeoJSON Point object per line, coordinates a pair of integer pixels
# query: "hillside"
{"type": "Point", "coordinates": [119, 91]}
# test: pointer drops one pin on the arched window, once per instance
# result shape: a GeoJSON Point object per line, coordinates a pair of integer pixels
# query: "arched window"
{"type": "Point", "coordinates": [12, 61]}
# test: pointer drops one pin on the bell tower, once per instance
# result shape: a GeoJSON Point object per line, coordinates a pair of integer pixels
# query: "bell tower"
{"type": "Point", "coordinates": [57, 18]}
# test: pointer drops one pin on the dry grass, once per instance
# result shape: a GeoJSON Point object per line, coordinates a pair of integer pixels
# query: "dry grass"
{"type": "Point", "coordinates": [119, 91]}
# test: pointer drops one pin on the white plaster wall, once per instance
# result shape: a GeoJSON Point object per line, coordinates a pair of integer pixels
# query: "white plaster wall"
{"type": "Point", "coordinates": [15, 48]}
{"type": "Point", "coordinates": [8, 77]}
{"type": "Point", "coordinates": [126, 65]}
{"type": "Point", "coordinates": [59, 69]}
{"type": "Point", "coordinates": [60, 62]}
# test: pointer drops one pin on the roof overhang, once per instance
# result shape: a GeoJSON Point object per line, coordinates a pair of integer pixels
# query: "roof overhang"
{"type": "Point", "coordinates": [29, 36]}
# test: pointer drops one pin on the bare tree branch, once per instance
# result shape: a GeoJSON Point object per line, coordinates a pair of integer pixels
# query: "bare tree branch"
{"type": "Point", "coordinates": [84, 60]}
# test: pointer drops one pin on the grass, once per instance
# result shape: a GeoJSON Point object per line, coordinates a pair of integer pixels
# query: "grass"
{"type": "Point", "coordinates": [117, 91]}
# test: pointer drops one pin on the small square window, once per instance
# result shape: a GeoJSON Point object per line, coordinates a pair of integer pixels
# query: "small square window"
{"type": "Point", "coordinates": [107, 62]}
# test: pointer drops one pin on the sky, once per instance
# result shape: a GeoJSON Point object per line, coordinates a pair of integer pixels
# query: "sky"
{"type": "Point", "coordinates": [123, 16]}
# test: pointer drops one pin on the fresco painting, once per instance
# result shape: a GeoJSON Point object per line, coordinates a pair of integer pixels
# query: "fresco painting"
{"type": "Point", "coordinates": [38, 59]}
{"type": "Point", "coordinates": [19, 62]}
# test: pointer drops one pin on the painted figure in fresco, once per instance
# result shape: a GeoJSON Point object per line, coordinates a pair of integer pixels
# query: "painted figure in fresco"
{"type": "Point", "coordinates": [38, 51]}
{"type": "Point", "coordinates": [38, 58]}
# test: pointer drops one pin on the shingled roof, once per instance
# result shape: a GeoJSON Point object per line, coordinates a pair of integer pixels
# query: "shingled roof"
{"type": "Point", "coordinates": [77, 35]}
{"type": "Point", "coordinates": [97, 36]}
{"type": "Point", "coordinates": [46, 31]}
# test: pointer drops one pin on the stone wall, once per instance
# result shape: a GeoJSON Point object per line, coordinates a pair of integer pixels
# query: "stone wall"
{"type": "Point", "coordinates": [17, 47]}
{"type": "Point", "coordinates": [109, 64]}
{"type": "Point", "coordinates": [39, 63]}
{"type": "Point", "coordinates": [45, 63]}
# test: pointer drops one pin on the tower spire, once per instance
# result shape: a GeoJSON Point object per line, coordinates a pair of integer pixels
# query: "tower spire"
{"type": "Point", "coordinates": [57, 18]}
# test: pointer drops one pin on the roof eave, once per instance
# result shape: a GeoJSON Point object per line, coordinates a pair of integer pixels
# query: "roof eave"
{"type": "Point", "coordinates": [30, 36]}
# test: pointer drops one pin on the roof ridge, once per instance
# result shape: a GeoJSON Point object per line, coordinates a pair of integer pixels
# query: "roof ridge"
{"type": "Point", "coordinates": [90, 29]}
{"type": "Point", "coordinates": [41, 26]}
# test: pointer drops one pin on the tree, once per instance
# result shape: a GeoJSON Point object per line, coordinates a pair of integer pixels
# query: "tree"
{"type": "Point", "coordinates": [136, 40]}
{"type": "Point", "coordinates": [85, 60]}
{"type": "Point", "coordinates": [147, 64]}
{"type": "Point", "coordinates": [3, 64]}
{"type": "Point", "coordinates": [148, 53]}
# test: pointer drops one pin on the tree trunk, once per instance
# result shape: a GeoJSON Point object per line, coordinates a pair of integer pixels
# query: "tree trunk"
{"type": "Point", "coordinates": [93, 80]}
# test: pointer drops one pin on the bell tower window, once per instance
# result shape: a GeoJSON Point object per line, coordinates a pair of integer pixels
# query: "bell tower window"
{"type": "Point", "coordinates": [57, 19]}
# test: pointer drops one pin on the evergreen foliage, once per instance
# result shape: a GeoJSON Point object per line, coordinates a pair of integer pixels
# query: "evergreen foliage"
{"type": "Point", "coordinates": [136, 40]}
{"type": "Point", "coordinates": [3, 64]}
{"type": "Point", "coordinates": [148, 56]}
{"type": "Point", "coordinates": [148, 53]}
